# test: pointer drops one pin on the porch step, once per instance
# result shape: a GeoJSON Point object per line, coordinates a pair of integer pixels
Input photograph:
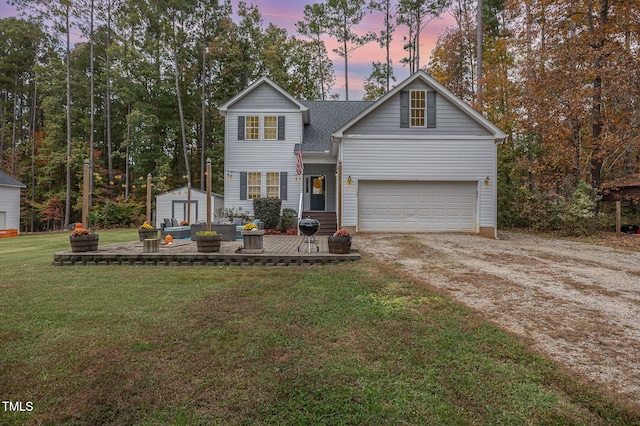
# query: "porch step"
{"type": "Point", "coordinates": [328, 221]}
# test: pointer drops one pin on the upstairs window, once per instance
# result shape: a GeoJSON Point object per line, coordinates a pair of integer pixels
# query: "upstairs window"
{"type": "Point", "coordinates": [270, 127]}
{"type": "Point", "coordinates": [255, 127]}
{"type": "Point", "coordinates": [418, 108]}
{"type": "Point", "coordinates": [252, 129]}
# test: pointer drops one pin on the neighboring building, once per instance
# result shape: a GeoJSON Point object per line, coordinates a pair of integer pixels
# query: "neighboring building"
{"type": "Point", "coordinates": [9, 202]}
{"type": "Point", "coordinates": [173, 205]}
{"type": "Point", "coordinates": [417, 160]}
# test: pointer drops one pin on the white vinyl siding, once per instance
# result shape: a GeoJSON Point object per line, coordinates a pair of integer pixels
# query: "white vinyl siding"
{"type": "Point", "coordinates": [385, 120]}
{"type": "Point", "coordinates": [264, 98]}
{"type": "Point", "coordinates": [10, 205]}
{"type": "Point", "coordinates": [415, 206]}
{"type": "Point", "coordinates": [433, 160]}
{"type": "Point", "coordinates": [275, 156]}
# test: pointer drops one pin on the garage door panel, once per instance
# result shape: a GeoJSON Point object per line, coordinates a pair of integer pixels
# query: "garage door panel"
{"type": "Point", "coordinates": [417, 206]}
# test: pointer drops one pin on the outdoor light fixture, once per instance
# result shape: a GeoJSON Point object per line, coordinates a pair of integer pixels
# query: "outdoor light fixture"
{"type": "Point", "coordinates": [486, 180]}
{"type": "Point", "coordinates": [229, 175]}
{"type": "Point", "coordinates": [349, 180]}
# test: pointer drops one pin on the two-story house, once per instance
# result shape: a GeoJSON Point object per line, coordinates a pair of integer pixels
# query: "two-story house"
{"type": "Point", "coordinates": [419, 159]}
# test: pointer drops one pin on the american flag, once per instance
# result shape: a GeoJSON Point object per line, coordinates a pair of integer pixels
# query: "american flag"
{"type": "Point", "coordinates": [299, 165]}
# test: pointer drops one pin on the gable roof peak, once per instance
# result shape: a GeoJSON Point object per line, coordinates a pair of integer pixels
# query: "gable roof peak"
{"type": "Point", "coordinates": [259, 82]}
{"type": "Point", "coordinates": [441, 90]}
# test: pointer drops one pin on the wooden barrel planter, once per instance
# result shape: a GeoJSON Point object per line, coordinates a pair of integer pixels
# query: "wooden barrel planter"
{"type": "Point", "coordinates": [208, 243]}
{"type": "Point", "coordinates": [339, 245]}
{"type": "Point", "coordinates": [253, 241]}
{"type": "Point", "coordinates": [147, 234]}
{"type": "Point", "coordinates": [82, 243]}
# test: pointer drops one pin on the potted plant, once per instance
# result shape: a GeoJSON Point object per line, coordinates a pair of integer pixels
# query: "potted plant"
{"type": "Point", "coordinates": [146, 231]}
{"type": "Point", "coordinates": [253, 238]}
{"type": "Point", "coordinates": [340, 242]}
{"type": "Point", "coordinates": [208, 241]}
{"type": "Point", "coordinates": [82, 240]}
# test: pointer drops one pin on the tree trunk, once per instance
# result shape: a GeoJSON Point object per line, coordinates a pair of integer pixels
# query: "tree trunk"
{"type": "Point", "coordinates": [12, 158]}
{"type": "Point", "coordinates": [67, 207]}
{"type": "Point", "coordinates": [479, 53]}
{"type": "Point", "coordinates": [346, 70]}
{"type": "Point", "coordinates": [33, 121]}
{"type": "Point", "coordinates": [204, 104]}
{"type": "Point", "coordinates": [598, 44]}
{"type": "Point", "coordinates": [93, 110]}
{"type": "Point", "coordinates": [181, 111]}
{"type": "Point", "coordinates": [107, 107]}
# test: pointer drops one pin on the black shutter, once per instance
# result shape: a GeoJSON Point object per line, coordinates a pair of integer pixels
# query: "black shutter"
{"type": "Point", "coordinates": [241, 128]}
{"type": "Point", "coordinates": [431, 109]}
{"type": "Point", "coordinates": [283, 185]}
{"type": "Point", "coordinates": [243, 185]}
{"type": "Point", "coordinates": [281, 127]}
{"type": "Point", "coordinates": [404, 109]}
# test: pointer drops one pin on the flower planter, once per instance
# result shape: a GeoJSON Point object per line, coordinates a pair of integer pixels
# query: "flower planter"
{"type": "Point", "coordinates": [339, 245]}
{"type": "Point", "coordinates": [208, 243]}
{"type": "Point", "coordinates": [147, 234]}
{"type": "Point", "coordinates": [253, 241]}
{"type": "Point", "coordinates": [82, 243]}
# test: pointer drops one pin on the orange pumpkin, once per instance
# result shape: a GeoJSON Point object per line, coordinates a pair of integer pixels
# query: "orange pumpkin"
{"type": "Point", "coordinates": [78, 226]}
{"type": "Point", "coordinates": [168, 239]}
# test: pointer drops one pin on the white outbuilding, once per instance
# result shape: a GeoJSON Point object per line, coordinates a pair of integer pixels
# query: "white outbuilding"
{"type": "Point", "coordinates": [173, 205]}
{"type": "Point", "coordinates": [9, 202]}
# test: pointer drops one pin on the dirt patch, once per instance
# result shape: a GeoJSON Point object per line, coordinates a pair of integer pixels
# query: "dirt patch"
{"type": "Point", "coordinates": [578, 302]}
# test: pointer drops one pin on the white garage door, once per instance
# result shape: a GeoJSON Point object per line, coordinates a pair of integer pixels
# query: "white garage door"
{"type": "Point", "coordinates": [417, 206]}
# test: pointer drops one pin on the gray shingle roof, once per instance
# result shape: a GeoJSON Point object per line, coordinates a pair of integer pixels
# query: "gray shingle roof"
{"type": "Point", "coordinates": [7, 180]}
{"type": "Point", "coordinates": [325, 118]}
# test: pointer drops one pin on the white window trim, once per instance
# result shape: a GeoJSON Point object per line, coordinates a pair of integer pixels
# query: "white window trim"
{"type": "Point", "coordinates": [412, 108]}
{"type": "Point", "coordinates": [264, 128]}
{"type": "Point", "coordinates": [246, 128]}
{"type": "Point", "coordinates": [251, 196]}
{"type": "Point", "coordinates": [276, 185]}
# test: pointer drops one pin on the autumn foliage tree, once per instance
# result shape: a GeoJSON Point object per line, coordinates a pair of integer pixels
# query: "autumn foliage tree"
{"type": "Point", "coordinates": [561, 78]}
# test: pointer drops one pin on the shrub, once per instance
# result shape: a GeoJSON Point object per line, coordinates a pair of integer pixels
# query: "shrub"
{"type": "Point", "coordinates": [120, 213]}
{"type": "Point", "coordinates": [268, 211]}
{"type": "Point", "coordinates": [288, 220]}
{"type": "Point", "coordinates": [578, 213]}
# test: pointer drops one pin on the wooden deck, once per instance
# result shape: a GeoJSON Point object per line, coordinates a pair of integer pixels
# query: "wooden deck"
{"type": "Point", "coordinates": [279, 250]}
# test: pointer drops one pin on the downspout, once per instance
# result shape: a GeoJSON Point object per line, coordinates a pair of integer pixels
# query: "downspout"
{"type": "Point", "coordinates": [339, 195]}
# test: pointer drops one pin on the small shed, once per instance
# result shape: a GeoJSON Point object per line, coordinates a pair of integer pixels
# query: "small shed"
{"type": "Point", "coordinates": [10, 203]}
{"type": "Point", "coordinates": [173, 205]}
{"type": "Point", "coordinates": [626, 188]}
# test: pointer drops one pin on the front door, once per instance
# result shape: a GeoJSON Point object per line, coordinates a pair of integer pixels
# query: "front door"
{"type": "Point", "coordinates": [317, 197]}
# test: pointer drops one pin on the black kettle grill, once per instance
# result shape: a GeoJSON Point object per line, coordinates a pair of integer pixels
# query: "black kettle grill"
{"type": "Point", "coordinates": [309, 227]}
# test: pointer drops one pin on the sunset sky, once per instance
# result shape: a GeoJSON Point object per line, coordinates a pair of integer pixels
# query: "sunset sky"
{"type": "Point", "coordinates": [285, 13]}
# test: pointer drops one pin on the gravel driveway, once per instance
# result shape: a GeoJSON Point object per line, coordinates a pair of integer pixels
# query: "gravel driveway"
{"type": "Point", "coordinates": [577, 302]}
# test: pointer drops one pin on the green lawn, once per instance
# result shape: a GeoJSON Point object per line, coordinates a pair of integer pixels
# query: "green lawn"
{"type": "Point", "coordinates": [345, 344]}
